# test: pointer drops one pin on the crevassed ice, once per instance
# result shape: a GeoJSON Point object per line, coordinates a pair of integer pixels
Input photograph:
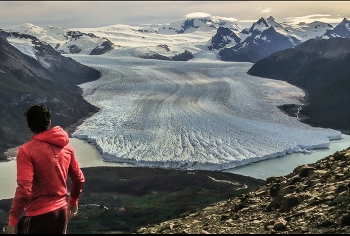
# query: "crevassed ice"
{"type": "Point", "coordinates": [191, 115]}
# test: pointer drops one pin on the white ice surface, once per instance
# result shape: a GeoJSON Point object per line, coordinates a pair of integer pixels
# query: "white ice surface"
{"type": "Point", "coordinates": [201, 114]}
{"type": "Point", "coordinates": [24, 45]}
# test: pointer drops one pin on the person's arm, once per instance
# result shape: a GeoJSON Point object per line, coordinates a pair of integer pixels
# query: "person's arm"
{"type": "Point", "coordinates": [76, 186]}
{"type": "Point", "coordinates": [23, 194]}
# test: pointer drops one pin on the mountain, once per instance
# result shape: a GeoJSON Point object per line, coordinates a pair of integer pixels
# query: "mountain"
{"type": "Point", "coordinates": [341, 30]}
{"type": "Point", "coordinates": [320, 67]}
{"type": "Point", "coordinates": [192, 23]}
{"type": "Point", "coordinates": [265, 37]}
{"type": "Point", "coordinates": [223, 38]}
{"type": "Point", "coordinates": [43, 77]}
{"type": "Point", "coordinates": [313, 199]}
{"type": "Point", "coordinates": [258, 45]}
{"type": "Point", "coordinates": [65, 41]}
{"type": "Point", "coordinates": [305, 31]}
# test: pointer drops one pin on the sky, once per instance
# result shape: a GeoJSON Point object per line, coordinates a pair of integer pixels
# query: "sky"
{"type": "Point", "coordinates": [89, 14]}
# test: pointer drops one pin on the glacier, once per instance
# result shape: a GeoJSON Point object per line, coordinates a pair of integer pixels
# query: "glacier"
{"type": "Point", "coordinates": [201, 114]}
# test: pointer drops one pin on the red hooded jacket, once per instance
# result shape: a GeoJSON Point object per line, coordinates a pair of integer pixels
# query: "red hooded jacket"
{"type": "Point", "coordinates": [43, 166]}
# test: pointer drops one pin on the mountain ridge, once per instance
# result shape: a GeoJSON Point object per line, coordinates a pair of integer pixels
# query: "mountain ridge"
{"type": "Point", "coordinates": [319, 67]}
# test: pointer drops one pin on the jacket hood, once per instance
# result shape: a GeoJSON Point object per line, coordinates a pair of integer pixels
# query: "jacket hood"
{"type": "Point", "coordinates": [56, 136]}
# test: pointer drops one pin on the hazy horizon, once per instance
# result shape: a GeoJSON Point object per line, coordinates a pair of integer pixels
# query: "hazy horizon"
{"type": "Point", "coordinates": [81, 14]}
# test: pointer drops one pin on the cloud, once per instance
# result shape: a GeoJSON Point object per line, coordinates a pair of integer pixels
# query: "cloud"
{"type": "Point", "coordinates": [314, 17]}
{"type": "Point", "coordinates": [246, 23]}
{"type": "Point", "coordinates": [197, 15]}
{"type": "Point", "coordinates": [266, 10]}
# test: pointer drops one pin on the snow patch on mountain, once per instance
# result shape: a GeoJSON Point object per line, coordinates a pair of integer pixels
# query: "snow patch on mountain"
{"type": "Point", "coordinates": [24, 45]}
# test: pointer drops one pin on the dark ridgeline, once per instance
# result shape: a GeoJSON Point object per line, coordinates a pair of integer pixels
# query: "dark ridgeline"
{"type": "Point", "coordinates": [321, 68]}
{"type": "Point", "coordinates": [51, 79]}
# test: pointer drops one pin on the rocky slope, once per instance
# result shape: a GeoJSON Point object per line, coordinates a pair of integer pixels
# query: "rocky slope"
{"type": "Point", "coordinates": [313, 199]}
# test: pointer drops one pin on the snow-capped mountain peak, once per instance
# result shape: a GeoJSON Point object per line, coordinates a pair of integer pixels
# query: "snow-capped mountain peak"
{"type": "Point", "coordinates": [224, 37]}
{"type": "Point", "coordinates": [306, 31]}
{"type": "Point", "coordinates": [272, 22]}
{"type": "Point", "coordinates": [341, 30]}
{"type": "Point", "coordinates": [197, 21]}
{"type": "Point", "coordinates": [63, 40]}
{"type": "Point", "coordinates": [260, 25]}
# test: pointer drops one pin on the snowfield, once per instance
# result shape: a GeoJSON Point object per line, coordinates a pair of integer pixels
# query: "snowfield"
{"type": "Point", "coordinates": [201, 114]}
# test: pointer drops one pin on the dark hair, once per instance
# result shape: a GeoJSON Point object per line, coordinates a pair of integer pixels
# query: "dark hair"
{"type": "Point", "coordinates": [38, 118]}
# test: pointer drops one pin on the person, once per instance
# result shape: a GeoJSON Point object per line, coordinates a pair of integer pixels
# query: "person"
{"type": "Point", "coordinates": [44, 163]}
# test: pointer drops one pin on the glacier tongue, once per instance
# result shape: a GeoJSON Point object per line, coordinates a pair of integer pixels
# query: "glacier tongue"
{"type": "Point", "coordinates": [192, 115]}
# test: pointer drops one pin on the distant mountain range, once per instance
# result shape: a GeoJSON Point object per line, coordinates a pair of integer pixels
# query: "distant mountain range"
{"type": "Point", "coordinates": [312, 56]}
{"type": "Point", "coordinates": [227, 39]}
{"type": "Point", "coordinates": [267, 36]}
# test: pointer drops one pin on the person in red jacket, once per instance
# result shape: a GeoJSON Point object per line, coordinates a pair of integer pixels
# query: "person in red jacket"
{"type": "Point", "coordinates": [43, 166]}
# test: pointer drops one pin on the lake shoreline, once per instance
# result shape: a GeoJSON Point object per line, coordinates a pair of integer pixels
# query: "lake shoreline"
{"type": "Point", "coordinates": [292, 109]}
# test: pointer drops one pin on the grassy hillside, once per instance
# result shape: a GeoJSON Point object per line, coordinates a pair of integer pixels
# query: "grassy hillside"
{"type": "Point", "coordinates": [123, 199]}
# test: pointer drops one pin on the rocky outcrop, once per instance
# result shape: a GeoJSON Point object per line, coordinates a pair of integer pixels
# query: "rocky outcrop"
{"type": "Point", "coordinates": [74, 35]}
{"type": "Point", "coordinates": [164, 46]}
{"type": "Point", "coordinates": [74, 49]}
{"type": "Point", "coordinates": [106, 46]}
{"type": "Point", "coordinates": [313, 199]}
{"type": "Point", "coordinates": [185, 56]}
{"type": "Point", "coordinates": [156, 56]}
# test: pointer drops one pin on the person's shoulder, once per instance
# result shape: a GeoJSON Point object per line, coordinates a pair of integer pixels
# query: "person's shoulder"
{"type": "Point", "coordinates": [28, 144]}
{"type": "Point", "coordinates": [24, 148]}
